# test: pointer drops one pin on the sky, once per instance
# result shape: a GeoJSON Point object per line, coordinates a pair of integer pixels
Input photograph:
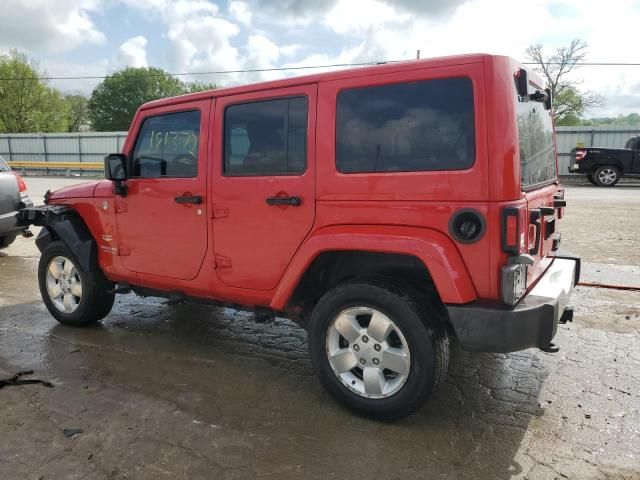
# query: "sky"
{"type": "Point", "coordinates": [98, 37]}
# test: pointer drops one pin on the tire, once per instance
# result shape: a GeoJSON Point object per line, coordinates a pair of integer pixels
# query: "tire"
{"type": "Point", "coordinates": [591, 179]}
{"type": "Point", "coordinates": [59, 275]}
{"type": "Point", "coordinates": [372, 388]}
{"type": "Point", "coordinates": [6, 241]}
{"type": "Point", "coordinates": [606, 176]}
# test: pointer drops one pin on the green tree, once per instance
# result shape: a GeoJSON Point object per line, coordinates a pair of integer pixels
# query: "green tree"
{"type": "Point", "coordinates": [115, 100]}
{"type": "Point", "coordinates": [27, 103]}
{"type": "Point", "coordinates": [632, 119]}
{"type": "Point", "coordinates": [558, 68]}
{"type": "Point", "coordinates": [77, 113]}
{"type": "Point", "coordinates": [192, 87]}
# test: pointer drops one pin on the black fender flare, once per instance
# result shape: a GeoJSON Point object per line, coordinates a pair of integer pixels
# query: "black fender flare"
{"type": "Point", "coordinates": [63, 223]}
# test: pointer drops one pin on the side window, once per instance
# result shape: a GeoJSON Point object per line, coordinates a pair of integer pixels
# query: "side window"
{"type": "Point", "coordinates": [167, 146]}
{"type": "Point", "coordinates": [414, 126]}
{"type": "Point", "coordinates": [266, 138]}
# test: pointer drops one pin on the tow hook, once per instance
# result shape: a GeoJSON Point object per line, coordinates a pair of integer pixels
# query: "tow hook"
{"type": "Point", "coordinates": [567, 316]}
{"type": "Point", "coordinates": [27, 233]}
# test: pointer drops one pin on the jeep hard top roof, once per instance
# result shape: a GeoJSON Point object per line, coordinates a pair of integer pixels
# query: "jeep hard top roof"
{"type": "Point", "coordinates": [327, 76]}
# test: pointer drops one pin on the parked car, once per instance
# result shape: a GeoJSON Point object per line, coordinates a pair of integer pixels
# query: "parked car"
{"type": "Point", "coordinates": [604, 167]}
{"type": "Point", "coordinates": [383, 209]}
{"type": "Point", "coordinates": [13, 197]}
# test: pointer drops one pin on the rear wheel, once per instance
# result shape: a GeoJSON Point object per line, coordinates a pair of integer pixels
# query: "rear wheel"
{"type": "Point", "coordinates": [378, 347]}
{"type": "Point", "coordinates": [606, 176]}
{"type": "Point", "coordinates": [73, 296]}
{"type": "Point", "coordinates": [7, 240]}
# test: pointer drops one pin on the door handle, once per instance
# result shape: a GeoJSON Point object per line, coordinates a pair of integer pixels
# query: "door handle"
{"type": "Point", "coordinates": [196, 199]}
{"type": "Point", "coordinates": [293, 201]}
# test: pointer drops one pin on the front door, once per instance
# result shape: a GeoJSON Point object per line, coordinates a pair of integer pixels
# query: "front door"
{"type": "Point", "coordinates": [263, 183]}
{"type": "Point", "coordinates": [162, 221]}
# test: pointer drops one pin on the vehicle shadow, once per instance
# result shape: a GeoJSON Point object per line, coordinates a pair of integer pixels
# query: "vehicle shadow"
{"type": "Point", "coordinates": [223, 367]}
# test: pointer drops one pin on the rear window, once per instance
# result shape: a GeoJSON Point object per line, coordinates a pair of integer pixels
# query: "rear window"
{"type": "Point", "coordinates": [413, 126]}
{"type": "Point", "coordinates": [3, 165]}
{"type": "Point", "coordinates": [537, 149]}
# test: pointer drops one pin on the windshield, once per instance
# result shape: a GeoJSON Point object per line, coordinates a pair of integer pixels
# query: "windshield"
{"type": "Point", "coordinates": [537, 148]}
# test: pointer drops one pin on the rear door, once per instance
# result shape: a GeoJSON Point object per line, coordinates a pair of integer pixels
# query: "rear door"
{"type": "Point", "coordinates": [162, 221]}
{"type": "Point", "coordinates": [9, 193]}
{"type": "Point", "coordinates": [263, 183]}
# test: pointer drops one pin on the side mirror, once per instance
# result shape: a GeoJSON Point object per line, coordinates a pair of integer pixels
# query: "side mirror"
{"type": "Point", "coordinates": [115, 169]}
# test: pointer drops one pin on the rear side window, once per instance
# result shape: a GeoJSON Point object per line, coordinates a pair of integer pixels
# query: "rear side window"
{"type": "Point", "coordinates": [3, 165]}
{"type": "Point", "coordinates": [266, 138]}
{"type": "Point", "coordinates": [537, 148]}
{"type": "Point", "coordinates": [633, 143]}
{"type": "Point", "coordinates": [167, 146]}
{"type": "Point", "coordinates": [415, 126]}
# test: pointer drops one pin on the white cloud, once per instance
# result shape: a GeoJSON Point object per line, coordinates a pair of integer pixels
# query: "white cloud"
{"type": "Point", "coordinates": [354, 17]}
{"type": "Point", "coordinates": [43, 25]}
{"type": "Point", "coordinates": [202, 43]}
{"type": "Point", "coordinates": [260, 53]}
{"type": "Point", "coordinates": [199, 35]}
{"type": "Point", "coordinates": [241, 12]}
{"type": "Point", "coordinates": [371, 31]}
{"type": "Point", "coordinates": [289, 50]}
{"type": "Point", "coordinates": [132, 53]}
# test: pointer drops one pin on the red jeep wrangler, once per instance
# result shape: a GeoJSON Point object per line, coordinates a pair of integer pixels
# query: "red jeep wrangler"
{"type": "Point", "coordinates": [384, 209]}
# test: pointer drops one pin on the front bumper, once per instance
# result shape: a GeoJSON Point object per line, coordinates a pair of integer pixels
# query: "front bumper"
{"type": "Point", "coordinates": [533, 322]}
{"type": "Point", "coordinates": [9, 222]}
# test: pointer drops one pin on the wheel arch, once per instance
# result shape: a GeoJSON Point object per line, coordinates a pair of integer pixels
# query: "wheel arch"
{"type": "Point", "coordinates": [608, 162]}
{"type": "Point", "coordinates": [64, 224]}
{"type": "Point", "coordinates": [413, 253]}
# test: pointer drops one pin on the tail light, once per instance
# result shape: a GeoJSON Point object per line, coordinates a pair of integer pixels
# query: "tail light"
{"type": "Point", "coordinates": [515, 241]}
{"type": "Point", "coordinates": [513, 230]}
{"type": "Point", "coordinates": [580, 154]}
{"type": "Point", "coordinates": [22, 186]}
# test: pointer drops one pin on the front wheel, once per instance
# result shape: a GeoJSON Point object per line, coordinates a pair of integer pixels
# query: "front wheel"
{"type": "Point", "coordinates": [606, 176]}
{"type": "Point", "coordinates": [73, 296]}
{"type": "Point", "coordinates": [592, 180]}
{"type": "Point", "coordinates": [378, 347]}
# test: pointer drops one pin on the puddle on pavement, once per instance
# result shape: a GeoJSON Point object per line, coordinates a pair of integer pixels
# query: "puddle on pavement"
{"type": "Point", "coordinates": [18, 280]}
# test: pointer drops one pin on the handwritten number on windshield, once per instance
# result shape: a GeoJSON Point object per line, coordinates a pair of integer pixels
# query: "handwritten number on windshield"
{"type": "Point", "coordinates": [184, 141]}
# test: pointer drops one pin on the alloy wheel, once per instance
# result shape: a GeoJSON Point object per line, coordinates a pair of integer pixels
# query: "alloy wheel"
{"type": "Point", "coordinates": [64, 285]}
{"type": "Point", "coordinates": [368, 352]}
{"type": "Point", "coordinates": [607, 176]}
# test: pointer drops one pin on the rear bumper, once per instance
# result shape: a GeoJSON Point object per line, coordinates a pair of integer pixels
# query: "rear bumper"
{"type": "Point", "coordinates": [9, 221]}
{"type": "Point", "coordinates": [575, 168]}
{"type": "Point", "coordinates": [533, 322]}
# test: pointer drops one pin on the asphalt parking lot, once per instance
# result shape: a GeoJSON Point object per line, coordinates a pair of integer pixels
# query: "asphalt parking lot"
{"type": "Point", "coordinates": [186, 392]}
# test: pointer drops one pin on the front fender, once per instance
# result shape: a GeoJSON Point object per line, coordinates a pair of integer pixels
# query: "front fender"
{"type": "Point", "coordinates": [436, 251]}
{"type": "Point", "coordinates": [63, 223]}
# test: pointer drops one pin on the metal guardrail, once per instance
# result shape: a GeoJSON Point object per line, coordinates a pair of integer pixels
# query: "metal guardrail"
{"type": "Point", "coordinates": [72, 165]}
{"type": "Point", "coordinates": [68, 167]}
